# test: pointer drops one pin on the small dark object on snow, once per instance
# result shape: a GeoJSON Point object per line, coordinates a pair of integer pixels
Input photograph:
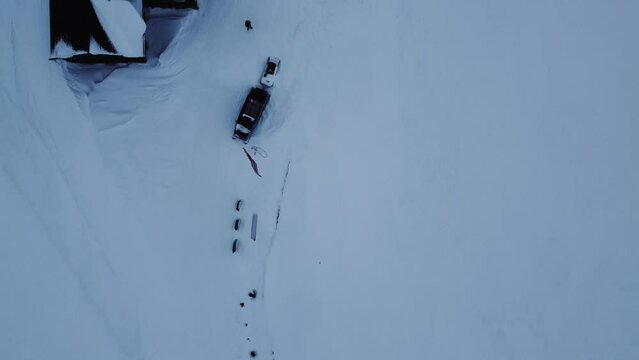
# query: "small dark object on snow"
{"type": "Point", "coordinates": [236, 224]}
{"type": "Point", "coordinates": [254, 227]}
{"type": "Point", "coordinates": [253, 163]}
{"type": "Point", "coordinates": [238, 205]}
{"type": "Point", "coordinates": [248, 25]}
{"type": "Point", "coordinates": [235, 245]}
{"type": "Point", "coordinates": [245, 324]}
{"type": "Point", "coordinates": [253, 354]}
{"type": "Point", "coordinates": [241, 304]}
{"type": "Point", "coordinates": [253, 294]}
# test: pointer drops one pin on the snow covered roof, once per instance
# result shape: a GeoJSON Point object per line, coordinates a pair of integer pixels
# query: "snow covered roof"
{"type": "Point", "coordinates": [97, 27]}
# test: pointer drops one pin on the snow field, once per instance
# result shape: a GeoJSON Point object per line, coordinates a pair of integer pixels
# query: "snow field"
{"type": "Point", "coordinates": [454, 180]}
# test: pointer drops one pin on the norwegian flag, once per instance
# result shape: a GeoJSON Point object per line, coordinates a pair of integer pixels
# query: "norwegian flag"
{"type": "Point", "coordinates": [253, 163]}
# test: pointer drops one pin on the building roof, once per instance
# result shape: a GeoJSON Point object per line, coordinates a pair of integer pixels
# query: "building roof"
{"type": "Point", "coordinates": [96, 27]}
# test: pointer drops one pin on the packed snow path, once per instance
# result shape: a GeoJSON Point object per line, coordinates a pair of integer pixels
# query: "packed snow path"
{"type": "Point", "coordinates": [445, 179]}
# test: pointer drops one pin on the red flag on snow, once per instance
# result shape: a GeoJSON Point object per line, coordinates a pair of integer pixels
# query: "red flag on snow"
{"type": "Point", "coordinates": [253, 163]}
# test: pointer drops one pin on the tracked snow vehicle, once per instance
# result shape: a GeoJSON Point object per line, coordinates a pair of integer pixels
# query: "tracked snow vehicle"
{"type": "Point", "coordinates": [250, 114]}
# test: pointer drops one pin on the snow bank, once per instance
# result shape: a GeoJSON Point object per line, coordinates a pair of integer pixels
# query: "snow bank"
{"type": "Point", "coordinates": [444, 179]}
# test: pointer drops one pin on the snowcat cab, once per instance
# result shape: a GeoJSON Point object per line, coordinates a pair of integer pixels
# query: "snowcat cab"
{"type": "Point", "coordinates": [250, 114]}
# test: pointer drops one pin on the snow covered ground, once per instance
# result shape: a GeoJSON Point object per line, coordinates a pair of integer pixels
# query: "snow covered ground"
{"type": "Point", "coordinates": [445, 179]}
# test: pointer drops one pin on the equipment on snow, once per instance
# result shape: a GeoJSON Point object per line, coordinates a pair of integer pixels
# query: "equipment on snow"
{"type": "Point", "coordinates": [254, 227]}
{"type": "Point", "coordinates": [253, 163]}
{"type": "Point", "coordinates": [259, 151]}
{"type": "Point", "coordinates": [250, 114]}
{"type": "Point", "coordinates": [272, 67]}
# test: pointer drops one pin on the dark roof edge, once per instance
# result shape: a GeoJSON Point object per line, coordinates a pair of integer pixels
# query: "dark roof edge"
{"type": "Point", "coordinates": [170, 5]}
{"type": "Point", "coordinates": [101, 59]}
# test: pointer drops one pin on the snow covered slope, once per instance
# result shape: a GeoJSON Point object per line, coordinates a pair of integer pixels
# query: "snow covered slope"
{"type": "Point", "coordinates": [444, 179]}
{"type": "Point", "coordinates": [466, 182]}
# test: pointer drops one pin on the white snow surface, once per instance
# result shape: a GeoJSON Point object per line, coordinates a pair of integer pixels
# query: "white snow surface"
{"type": "Point", "coordinates": [445, 180]}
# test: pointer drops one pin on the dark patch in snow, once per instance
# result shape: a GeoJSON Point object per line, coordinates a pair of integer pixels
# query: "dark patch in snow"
{"type": "Point", "coordinates": [279, 204]}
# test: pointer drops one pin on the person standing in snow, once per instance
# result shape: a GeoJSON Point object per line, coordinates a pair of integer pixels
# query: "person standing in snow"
{"type": "Point", "coordinates": [248, 25]}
